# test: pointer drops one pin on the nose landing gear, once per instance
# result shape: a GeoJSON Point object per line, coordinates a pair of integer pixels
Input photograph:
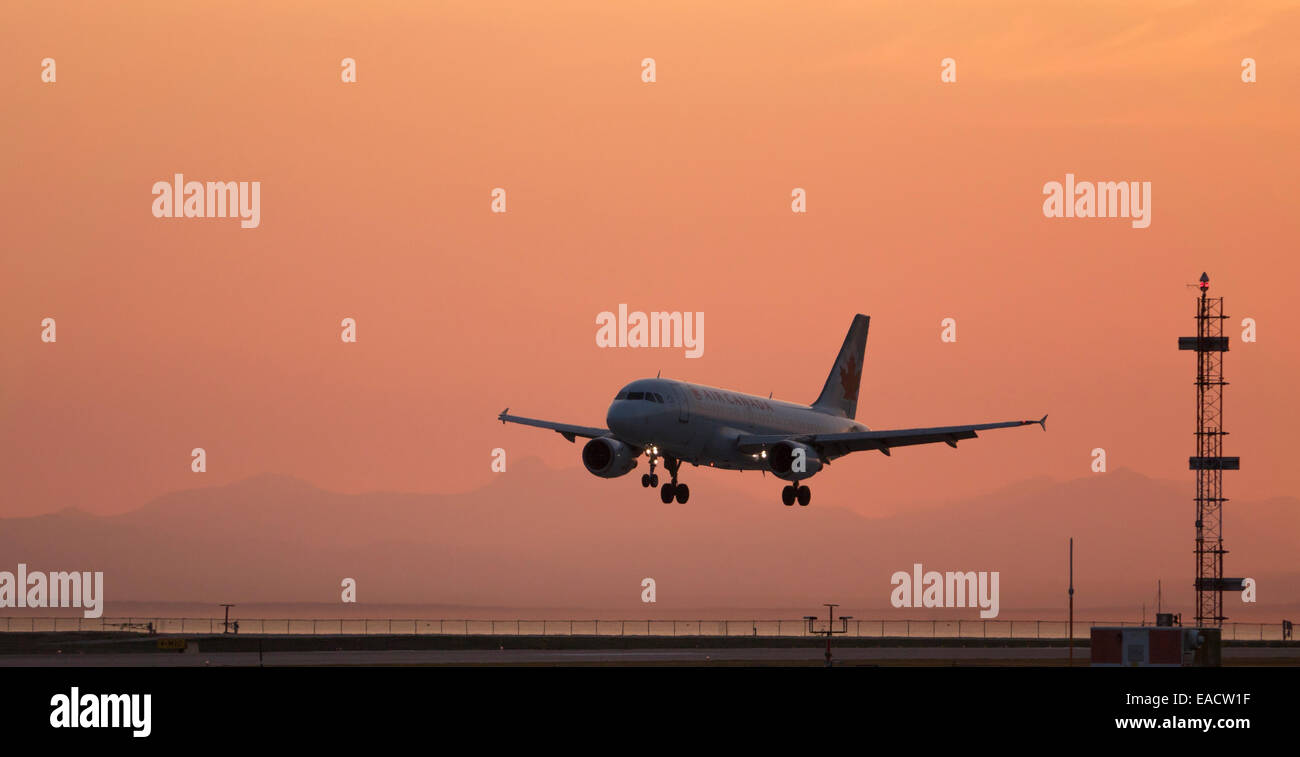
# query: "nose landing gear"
{"type": "Point", "coordinates": [796, 492]}
{"type": "Point", "coordinates": [650, 479]}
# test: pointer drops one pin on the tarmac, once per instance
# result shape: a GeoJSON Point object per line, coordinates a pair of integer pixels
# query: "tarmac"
{"type": "Point", "coordinates": [115, 650]}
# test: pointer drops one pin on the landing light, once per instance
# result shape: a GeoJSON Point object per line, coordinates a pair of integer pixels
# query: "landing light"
{"type": "Point", "coordinates": [764, 453]}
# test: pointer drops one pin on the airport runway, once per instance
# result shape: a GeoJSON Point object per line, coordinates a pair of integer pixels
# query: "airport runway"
{"type": "Point", "coordinates": [797, 655]}
{"type": "Point", "coordinates": [754, 656]}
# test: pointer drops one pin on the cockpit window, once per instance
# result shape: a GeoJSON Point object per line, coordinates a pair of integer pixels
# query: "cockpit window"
{"type": "Point", "coordinates": [643, 396]}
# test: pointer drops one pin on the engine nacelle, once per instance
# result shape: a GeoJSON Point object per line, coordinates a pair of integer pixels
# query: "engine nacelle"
{"type": "Point", "coordinates": [793, 461]}
{"type": "Point", "coordinates": [609, 458]}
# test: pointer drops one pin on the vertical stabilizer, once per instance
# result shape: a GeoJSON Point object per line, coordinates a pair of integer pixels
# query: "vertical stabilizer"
{"type": "Point", "coordinates": [840, 395]}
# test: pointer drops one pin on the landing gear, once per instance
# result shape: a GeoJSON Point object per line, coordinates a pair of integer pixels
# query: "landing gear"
{"type": "Point", "coordinates": [796, 492]}
{"type": "Point", "coordinates": [681, 491]}
{"type": "Point", "coordinates": [651, 479]}
{"type": "Point", "coordinates": [672, 489]}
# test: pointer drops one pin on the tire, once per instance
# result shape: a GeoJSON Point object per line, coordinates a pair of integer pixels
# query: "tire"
{"type": "Point", "coordinates": [787, 496]}
{"type": "Point", "coordinates": [654, 479]}
{"type": "Point", "coordinates": [666, 493]}
{"type": "Point", "coordinates": [805, 496]}
{"type": "Point", "coordinates": [645, 480]}
{"type": "Point", "coordinates": [683, 493]}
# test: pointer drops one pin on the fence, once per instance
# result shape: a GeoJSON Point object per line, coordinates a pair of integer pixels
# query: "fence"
{"type": "Point", "coordinates": [925, 629]}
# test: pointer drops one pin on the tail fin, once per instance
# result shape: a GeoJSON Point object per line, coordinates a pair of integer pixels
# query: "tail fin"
{"type": "Point", "coordinates": [840, 395]}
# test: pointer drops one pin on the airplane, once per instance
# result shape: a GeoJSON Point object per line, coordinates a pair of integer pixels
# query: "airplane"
{"type": "Point", "coordinates": [675, 422]}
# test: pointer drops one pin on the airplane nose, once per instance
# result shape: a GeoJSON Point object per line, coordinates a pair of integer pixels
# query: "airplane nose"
{"type": "Point", "coordinates": [621, 419]}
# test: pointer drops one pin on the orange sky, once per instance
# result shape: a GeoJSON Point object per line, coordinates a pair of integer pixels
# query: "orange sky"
{"type": "Point", "coordinates": [924, 202]}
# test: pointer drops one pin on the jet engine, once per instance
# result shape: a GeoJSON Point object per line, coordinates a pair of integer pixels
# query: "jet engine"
{"type": "Point", "coordinates": [787, 458]}
{"type": "Point", "coordinates": [609, 458]}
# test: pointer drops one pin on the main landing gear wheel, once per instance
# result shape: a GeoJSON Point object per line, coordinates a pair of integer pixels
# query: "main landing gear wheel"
{"type": "Point", "coordinates": [790, 493]}
{"type": "Point", "coordinates": [681, 491]}
{"type": "Point", "coordinates": [671, 489]}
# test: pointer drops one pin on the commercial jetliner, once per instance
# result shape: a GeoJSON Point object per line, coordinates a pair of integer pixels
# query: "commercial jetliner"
{"type": "Point", "coordinates": [676, 422]}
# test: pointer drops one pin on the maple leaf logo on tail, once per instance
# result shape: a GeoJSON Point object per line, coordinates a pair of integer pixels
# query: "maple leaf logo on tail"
{"type": "Point", "coordinates": [850, 378]}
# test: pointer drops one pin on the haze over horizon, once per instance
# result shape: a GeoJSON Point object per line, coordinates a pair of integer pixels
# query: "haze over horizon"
{"type": "Point", "coordinates": [277, 540]}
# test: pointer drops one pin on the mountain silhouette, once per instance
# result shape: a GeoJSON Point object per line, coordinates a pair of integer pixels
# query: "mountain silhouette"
{"type": "Point", "coordinates": [537, 537]}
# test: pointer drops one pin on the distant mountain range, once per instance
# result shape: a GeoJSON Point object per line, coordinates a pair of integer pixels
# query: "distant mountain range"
{"type": "Point", "coordinates": [536, 537]}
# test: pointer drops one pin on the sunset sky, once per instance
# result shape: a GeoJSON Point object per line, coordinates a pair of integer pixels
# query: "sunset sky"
{"type": "Point", "coordinates": [924, 203]}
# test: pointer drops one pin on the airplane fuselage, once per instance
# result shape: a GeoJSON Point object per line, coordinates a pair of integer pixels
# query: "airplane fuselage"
{"type": "Point", "coordinates": [700, 424]}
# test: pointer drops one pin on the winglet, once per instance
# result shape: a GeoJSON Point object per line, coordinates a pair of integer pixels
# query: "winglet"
{"type": "Point", "coordinates": [1043, 421]}
{"type": "Point", "coordinates": [502, 416]}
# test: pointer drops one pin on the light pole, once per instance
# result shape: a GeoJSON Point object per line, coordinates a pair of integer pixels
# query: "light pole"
{"type": "Point", "coordinates": [1071, 601]}
{"type": "Point", "coordinates": [830, 627]}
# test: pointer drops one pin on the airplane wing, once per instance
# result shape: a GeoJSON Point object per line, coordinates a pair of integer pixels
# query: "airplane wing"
{"type": "Point", "coordinates": [836, 445]}
{"type": "Point", "coordinates": [567, 430]}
